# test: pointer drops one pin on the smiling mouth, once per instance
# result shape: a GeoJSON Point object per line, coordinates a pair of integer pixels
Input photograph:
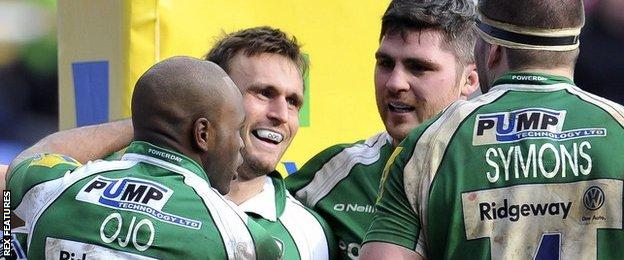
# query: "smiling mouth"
{"type": "Point", "coordinates": [398, 107]}
{"type": "Point", "coordinates": [268, 136]}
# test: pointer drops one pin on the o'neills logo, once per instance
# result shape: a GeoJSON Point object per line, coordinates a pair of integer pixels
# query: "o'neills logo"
{"type": "Point", "coordinates": [513, 212]}
{"type": "Point", "coordinates": [354, 208]}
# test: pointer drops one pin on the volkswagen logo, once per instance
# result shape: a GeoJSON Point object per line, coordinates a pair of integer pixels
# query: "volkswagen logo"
{"type": "Point", "coordinates": [593, 198]}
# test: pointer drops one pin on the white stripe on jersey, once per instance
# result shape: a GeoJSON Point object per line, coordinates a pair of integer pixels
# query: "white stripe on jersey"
{"type": "Point", "coordinates": [531, 88]}
{"type": "Point", "coordinates": [428, 152]}
{"type": "Point", "coordinates": [41, 196]}
{"type": "Point", "coordinates": [420, 245]}
{"type": "Point", "coordinates": [338, 168]}
{"type": "Point", "coordinates": [17, 247]}
{"type": "Point", "coordinates": [230, 222]}
{"type": "Point", "coordinates": [616, 110]}
{"type": "Point", "coordinates": [305, 230]}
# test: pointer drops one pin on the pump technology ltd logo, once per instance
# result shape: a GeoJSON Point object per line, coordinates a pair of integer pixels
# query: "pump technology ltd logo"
{"type": "Point", "coordinates": [530, 123]}
{"type": "Point", "coordinates": [132, 194]}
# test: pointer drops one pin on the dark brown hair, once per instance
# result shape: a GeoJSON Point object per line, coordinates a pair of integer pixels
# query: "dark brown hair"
{"type": "Point", "coordinates": [455, 18]}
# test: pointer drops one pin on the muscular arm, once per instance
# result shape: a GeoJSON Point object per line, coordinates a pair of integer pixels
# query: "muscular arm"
{"type": "Point", "coordinates": [83, 143]}
{"type": "Point", "coordinates": [381, 250]}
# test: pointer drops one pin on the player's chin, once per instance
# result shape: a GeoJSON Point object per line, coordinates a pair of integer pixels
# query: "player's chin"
{"type": "Point", "coordinates": [223, 189]}
{"type": "Point", "coordinates": [402, 130]}
{"type": "Point", "coordinates": [263, 160]}
{"type": "Point", "coordinates": [268, 165]}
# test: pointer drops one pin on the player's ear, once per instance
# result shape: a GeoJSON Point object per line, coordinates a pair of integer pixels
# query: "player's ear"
{"type": "Point", "coordinates": [203, 133]}
{"type": "Point", "coordinates": [471, 81]}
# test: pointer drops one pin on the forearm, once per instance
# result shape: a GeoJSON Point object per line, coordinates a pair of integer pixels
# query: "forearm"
{"type": "Point", "coordinates": [83, 143]}
{"type": "Point", "coordinates": [381, 250]}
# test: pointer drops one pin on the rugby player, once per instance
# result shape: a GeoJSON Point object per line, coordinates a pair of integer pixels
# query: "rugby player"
{"type": "Point", "coordinates": [267, 66]}
{"type": "Point", "coordinates": [163, 198]}
{"type": "Point", "coordinates": [424, 62]}
{"type": "Point", "coordinates": [530, 170]}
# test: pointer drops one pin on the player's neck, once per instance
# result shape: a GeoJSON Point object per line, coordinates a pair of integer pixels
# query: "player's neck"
{"type": "Point", "coordinates": [241, 190]}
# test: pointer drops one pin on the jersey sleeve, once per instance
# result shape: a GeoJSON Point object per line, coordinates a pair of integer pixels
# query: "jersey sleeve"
{"type": "Point", "coordinates": [394, 221]}
{"type": "Point", "coordinates": [35, 170]}
{"type": "Point", "coordinates": [115, 155]}
{"type": "Point", "coordinates": [306, 173]}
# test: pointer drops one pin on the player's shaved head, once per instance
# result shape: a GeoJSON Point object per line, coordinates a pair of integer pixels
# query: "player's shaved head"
{"type": "Point", "coordinates": [174, 92]}
{"type": "Point", "coordinates": [193, 107]}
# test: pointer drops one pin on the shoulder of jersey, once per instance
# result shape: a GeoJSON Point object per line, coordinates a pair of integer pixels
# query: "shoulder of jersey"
{"type": "Point", "coordinates": [321, 176]}
{"type": "Point", "coordinates": [363, 148]}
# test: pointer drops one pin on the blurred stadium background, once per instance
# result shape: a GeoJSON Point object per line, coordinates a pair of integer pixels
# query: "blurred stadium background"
{"type": "Point", "coordinates": [29, 66]}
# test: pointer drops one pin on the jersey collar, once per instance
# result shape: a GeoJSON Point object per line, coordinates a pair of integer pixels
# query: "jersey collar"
{"type": "Point", "coordinates": [147, 152]}
{"type": "Point", "coordinates": [270, 202]}
{"type": "Point", "coordinates": [532, 80]}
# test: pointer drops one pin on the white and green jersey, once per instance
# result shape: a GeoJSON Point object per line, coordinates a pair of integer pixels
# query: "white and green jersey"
{"type": "Point", "coordinates": [301, 233]}
{"type": "Point", "coordinates": [19, 236]}
{"type": "Point", "coordinates": [151, 204]}
{"type": "Point", "coordinates": [341, 184]}
{"type": "Point", "coordinates": [532, 170]}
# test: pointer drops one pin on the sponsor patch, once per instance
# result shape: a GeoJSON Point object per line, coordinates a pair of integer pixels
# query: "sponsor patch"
{"type": "Point", "coordinates": [132, 194]}
{"type": "Point", "coordinates": [521, 221]}
{"type": "Point", "coordinates": [594, 198]}
{"type": "Point", "coordinates": [71, 250]}
{"type": "Point", "coordinates": [529, 123]}
{"type": "Point", "coordinates": [51, 160]}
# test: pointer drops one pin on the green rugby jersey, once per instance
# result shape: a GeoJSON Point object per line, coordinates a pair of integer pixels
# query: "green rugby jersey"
{"type": "Point", "coordinates": [302, 233]}
{"type": "Point", "coordinates": [533, 169]}
{"type": "Point", "coordinates": [341, 184]}
{"type": "Point", "coordinates": [151, 204]}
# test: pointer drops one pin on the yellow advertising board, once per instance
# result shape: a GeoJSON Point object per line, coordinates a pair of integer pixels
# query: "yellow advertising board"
{"type": "Point", "coordinates": [105, 45]}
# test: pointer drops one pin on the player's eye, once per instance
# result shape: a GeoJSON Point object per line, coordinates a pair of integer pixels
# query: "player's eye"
{"type": "Point", "coordinates": [385, 63]}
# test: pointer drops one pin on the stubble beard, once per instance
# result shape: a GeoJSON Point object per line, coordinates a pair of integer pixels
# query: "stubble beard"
{"type": "Point", "coordinates": [253, 168]}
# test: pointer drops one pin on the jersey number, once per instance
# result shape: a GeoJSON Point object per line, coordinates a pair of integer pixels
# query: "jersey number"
{"type": "Point", "coordinates": [549, 247]}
